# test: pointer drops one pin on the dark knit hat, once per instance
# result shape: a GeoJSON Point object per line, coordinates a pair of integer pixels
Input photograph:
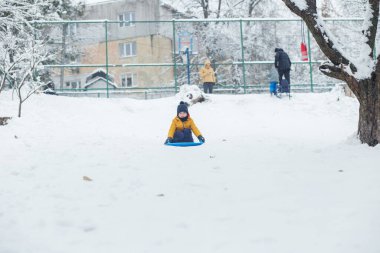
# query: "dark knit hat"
{"type": "Point", "coordinates": [182, 107]}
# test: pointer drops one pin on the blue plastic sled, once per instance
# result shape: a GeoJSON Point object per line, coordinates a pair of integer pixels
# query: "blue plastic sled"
{"type": "Point", "coordinates": [184, 144]}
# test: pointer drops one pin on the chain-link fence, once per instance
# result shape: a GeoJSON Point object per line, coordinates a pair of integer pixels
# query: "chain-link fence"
{"type": "Point", "coordinates": [148, 59]}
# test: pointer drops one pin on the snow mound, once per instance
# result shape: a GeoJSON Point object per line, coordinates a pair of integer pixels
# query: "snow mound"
{"type": "Point", "coordinates": [191, 94]}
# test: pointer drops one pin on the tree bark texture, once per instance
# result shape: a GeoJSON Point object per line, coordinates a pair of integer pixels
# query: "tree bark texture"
{"type": "Point", "coordinates": [369, 112]}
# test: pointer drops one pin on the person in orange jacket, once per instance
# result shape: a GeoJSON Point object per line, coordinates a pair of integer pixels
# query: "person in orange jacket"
{"type": "Point", "coordinates": [182, 127]}
{"type": "Point", "coordinates": [207, 75]}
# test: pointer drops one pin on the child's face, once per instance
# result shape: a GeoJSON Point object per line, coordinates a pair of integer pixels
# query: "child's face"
{"type": "Point", "coordinates": [182, 115]}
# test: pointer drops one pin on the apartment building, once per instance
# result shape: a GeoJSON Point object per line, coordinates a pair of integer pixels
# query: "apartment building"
{"type": "Point", "coordinates": [125, 42]}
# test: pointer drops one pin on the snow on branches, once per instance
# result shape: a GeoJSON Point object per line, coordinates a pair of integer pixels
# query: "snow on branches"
{"type": "Point", "coordinates": [21, 53]}
{"type": "Point", "coordinates": [360, 67]}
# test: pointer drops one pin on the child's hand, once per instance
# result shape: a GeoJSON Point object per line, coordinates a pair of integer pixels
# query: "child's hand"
{"type": "Point", "coordinates": [201, 138]}
{"type": "Point", "coordinates": [168, 140]}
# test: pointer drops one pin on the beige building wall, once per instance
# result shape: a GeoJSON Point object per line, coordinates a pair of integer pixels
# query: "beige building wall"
{"type": "Point", "coordinates": [153, 40]}
{"type": "Point", "coordinates": [149, 49]}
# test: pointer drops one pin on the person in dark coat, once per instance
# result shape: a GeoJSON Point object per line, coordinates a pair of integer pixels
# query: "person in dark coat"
{"type": "Point", "coordinates": [282, 64]}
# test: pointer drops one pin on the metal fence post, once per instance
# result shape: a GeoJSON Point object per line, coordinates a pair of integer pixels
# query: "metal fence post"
{"type": "Point", "coordinates": [188, 65]}
{"type": "Point", "coordinates": [310, 64]}
{"type": "Point", "coordinates": [242, 55]}
{"type": "Point", "coordinates": [106, 28]}
{"type": "Point", "coordinates": [174, 60]}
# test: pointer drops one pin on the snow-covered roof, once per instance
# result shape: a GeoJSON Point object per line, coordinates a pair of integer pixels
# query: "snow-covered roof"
{"type": "Point", "coordinates": [99, 72]}
{"type": "Point", "coordinates": [93, 81]}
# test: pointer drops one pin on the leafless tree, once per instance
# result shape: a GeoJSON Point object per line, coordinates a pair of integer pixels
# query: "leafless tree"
{"type": "Point", "coordinates": [205, 7]}
{"type": "Point", "coordinates": [28, 62]}
{"type": "Point", "coordinates": [21, 54]}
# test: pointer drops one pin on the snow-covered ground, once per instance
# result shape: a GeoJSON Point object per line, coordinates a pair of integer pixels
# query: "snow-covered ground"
{"type": "Point", "coordinates": [274, 176]}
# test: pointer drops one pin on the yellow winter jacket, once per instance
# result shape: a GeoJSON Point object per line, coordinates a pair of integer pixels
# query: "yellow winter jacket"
{"type": "Point", "coordinates": [178, 125]}
{"type": "Point", "coordinates": [207, 74]}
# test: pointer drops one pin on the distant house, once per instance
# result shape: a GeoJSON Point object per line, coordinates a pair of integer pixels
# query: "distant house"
{"type": "Point", "coordinates": [128, 43]}
{"type": "Point", "coordinates": [98, 80]}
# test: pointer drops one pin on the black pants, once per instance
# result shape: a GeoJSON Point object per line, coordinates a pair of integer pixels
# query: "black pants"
{"type": "Point", "coordinates": [284, 72]}
{"type": "Point", "coordinates": [208, 87]}
{"type": "Point", "coordinates": [183, 136]}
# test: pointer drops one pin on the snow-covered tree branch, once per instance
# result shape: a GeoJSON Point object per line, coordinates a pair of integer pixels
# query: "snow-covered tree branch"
{"type": "Point", "coordinates": [307, 10]}
{"type": "Point", "coordinates": [360, 74]}
{"type": "Point", "coordinates": [25, 77]}
{"type": "Point", "coordinates": [23, 48]}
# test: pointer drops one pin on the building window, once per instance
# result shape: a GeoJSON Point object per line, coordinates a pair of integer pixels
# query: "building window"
{"type": "Point", "coordinates": [73, 84]}
{"type": "Point", "coordinates": [127, 49]}
{"type": "Point", "coordinates": [127, 17]}
{"type": "Point", "coordinates": [128, 80]}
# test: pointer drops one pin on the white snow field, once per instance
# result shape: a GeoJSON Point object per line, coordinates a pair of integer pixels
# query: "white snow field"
{"type": "Point", "coordinates": [274, 176]}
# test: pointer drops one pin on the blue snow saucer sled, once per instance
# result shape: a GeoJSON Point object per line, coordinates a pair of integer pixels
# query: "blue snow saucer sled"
{"type": "Point", "coordinates": [184, 144]}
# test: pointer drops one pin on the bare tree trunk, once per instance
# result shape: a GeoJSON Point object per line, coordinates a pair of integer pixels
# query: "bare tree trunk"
{"type": "Point", "coordinates": [219, 6]}
{"type": "Point", "coordinates": [205, 7]}
{"type": "Point", "coordinates": [19, 109]}
{"type": "Point", "coordinates": [3, 82]}
{"type": "Point", "coordinates": [369, 112]}
{"type": "Point", "coordinates": [251, 5]}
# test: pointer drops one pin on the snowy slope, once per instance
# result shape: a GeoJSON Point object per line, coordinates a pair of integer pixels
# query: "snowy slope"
{"type": "Point", "coordinates": [274, 176]}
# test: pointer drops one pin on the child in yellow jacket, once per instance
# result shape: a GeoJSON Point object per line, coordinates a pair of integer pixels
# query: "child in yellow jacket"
{"type": "Point", "coordinates": [207, 76]}
{"type": "Point", "coordinates": [182, 127]}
